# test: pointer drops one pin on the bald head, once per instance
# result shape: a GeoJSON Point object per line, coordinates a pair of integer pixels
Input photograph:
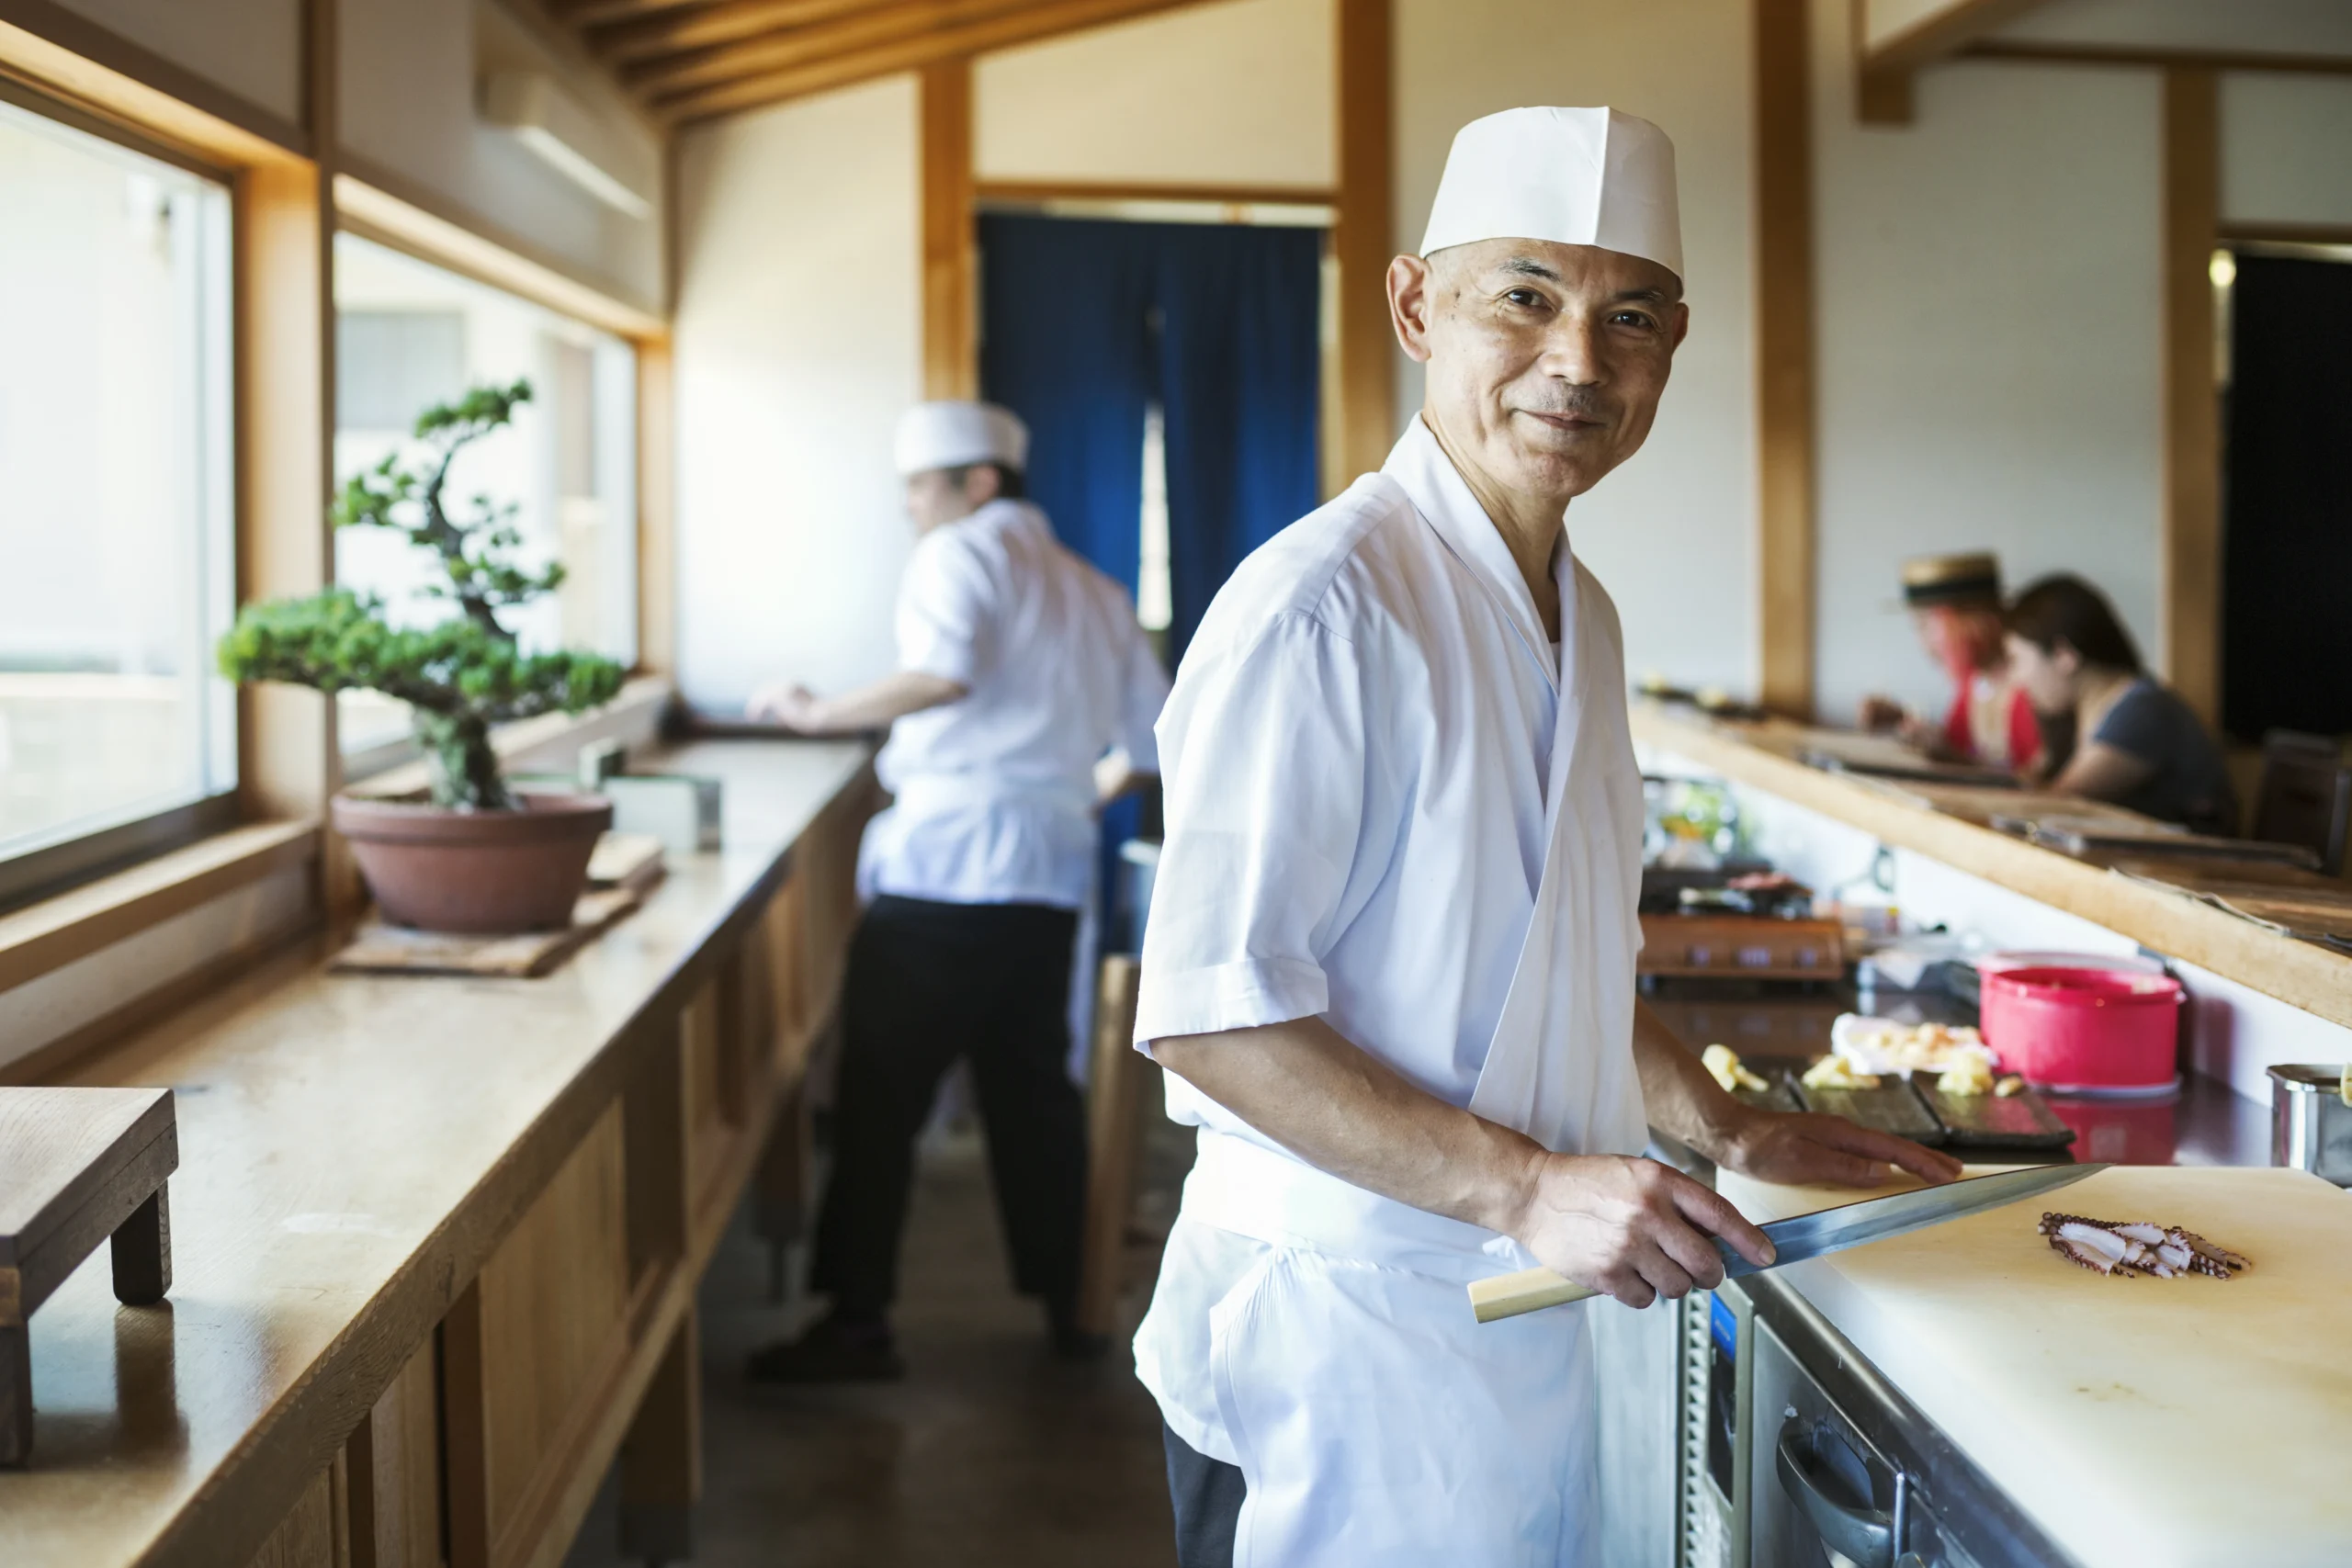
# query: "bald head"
{"type": "Point", "coordinates": [1545, 361]}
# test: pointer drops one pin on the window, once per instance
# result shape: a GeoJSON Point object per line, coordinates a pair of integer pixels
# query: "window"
{"type": "Point", "coordinates": [409, 333]}
{"type": "Point", "coordinates": [1154, 590]}
{"type": "Point", "coordinates": [117, 531]}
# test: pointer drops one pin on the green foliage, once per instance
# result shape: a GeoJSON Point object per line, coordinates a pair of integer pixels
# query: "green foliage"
{"type": "Point", "coordinates": [462, 676]}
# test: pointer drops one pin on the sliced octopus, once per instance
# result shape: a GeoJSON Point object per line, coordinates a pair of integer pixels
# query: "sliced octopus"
{"type": "Point", "coordinates": [2126, 1248]}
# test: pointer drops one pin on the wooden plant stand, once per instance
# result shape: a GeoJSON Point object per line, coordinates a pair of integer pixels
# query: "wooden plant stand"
{"type": "Point", "coordinates": [78, 1165]}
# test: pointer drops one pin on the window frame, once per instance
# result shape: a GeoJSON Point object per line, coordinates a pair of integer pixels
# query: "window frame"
{"type": "Point", "coordinates": [30, 875]}
{"type": "Point", "coordinates": [73, 901]}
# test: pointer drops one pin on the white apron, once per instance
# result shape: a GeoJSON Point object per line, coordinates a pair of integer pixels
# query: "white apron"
{"type": "Point", "coordinates": [1376, 1424]}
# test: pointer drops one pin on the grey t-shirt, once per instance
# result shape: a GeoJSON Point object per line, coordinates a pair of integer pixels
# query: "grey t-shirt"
{"type": "Point", "coordinates": [2189, 784]}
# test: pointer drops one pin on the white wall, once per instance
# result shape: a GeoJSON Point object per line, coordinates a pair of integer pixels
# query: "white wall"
{"type": "Point", "coordinates": [797, 349]}
{"type": "Point", "coordinates": [2286, 148]}
{"type": "Point", "coordinates": [252, 48]}
{"type": "Point", "coordinates": [411, 74]}
{"type": "Point", "coordinates": [1672, 534]}
{"type": "Point", "coordinates": [1989, 338]}
{"type": "Point", "coordinates": [1234, 93]}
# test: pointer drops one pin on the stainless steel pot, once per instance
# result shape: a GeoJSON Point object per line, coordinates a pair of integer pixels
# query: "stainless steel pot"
{"type": "Point", "coordinates": [2311, 1125]}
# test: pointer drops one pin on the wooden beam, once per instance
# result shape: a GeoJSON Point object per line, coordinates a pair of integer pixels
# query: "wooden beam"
{"type": "Point", "coordinates": [786, 49]}
{"type": "Point", "coordinates": [2192, 517]}
{"type": "Point", "coordinates": [1884, 69]}
{"type": "Point", "coordinates": [598, 13]}
{"type": "Point", "coordinates": [2033, 50]}
{"type": "Point", "coordinates": [911, 53]}
{"type": "Point", "coordinates": [1784, 359]}
{"type": "Point", "coordinates": [1364, 240]}
{"type": "Point", "coordinates": [675, 32]}
{"type": "Point", "coordinates": [657, 521]}
{"type": "Point", "coordinates": [950, 267]}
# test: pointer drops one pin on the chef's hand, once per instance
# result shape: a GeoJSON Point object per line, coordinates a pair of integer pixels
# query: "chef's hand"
{"type": "Point", "coordinates": [1633, 1228]}
{"type": "Point", "coordinates": [1797, 1149]}
{"type": "Point", "coordinates": [794, 705]}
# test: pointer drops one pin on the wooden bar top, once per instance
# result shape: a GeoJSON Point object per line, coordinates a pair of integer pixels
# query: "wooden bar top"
{"type": "Point", "coordinates": [351, 1147]}
{"type": "Point", "coordinates": [1763, 754]}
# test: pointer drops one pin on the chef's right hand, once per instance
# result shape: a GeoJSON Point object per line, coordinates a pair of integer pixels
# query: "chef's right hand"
{"type": "Point", "coordinates": [790, 704]}
{"type": "Point", "coordinates": [1633, 1228]}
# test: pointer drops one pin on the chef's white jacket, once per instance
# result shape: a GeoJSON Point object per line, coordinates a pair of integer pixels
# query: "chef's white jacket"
{"type": "Point", "coordinates": [994, 793]}
{"type": "Point", "coordinates": [1382, 809]}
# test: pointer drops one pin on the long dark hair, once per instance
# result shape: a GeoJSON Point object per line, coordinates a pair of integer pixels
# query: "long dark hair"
{"type": "Point", "coordinates": [2066, 609]}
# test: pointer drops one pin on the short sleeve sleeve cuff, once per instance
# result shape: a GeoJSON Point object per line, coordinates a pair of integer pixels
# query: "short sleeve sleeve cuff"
{"type": "Point", "coordinates": [1243, 994]}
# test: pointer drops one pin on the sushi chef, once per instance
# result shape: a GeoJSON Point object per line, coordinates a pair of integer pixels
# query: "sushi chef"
{"type": "Point", "coordinates": [1024, 696]}
{"type": "Point", "coordinates": [1390, 960]}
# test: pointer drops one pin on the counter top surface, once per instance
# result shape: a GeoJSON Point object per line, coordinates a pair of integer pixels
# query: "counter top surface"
{"type": "Point", "coordinates": [2189, 1423]}
{"type": "Point", "coordinates": [1765, 755]}
{"type": "Point", "coordinates": [351, 1147]}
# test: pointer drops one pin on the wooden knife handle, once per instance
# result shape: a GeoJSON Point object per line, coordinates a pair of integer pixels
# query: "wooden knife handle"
{"type": "Point", "coordinates": [1529, 1290]}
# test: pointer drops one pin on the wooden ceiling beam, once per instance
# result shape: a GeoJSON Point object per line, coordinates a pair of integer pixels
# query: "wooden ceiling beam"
{"type": "Point", "coordinates": [651, 38]}
{"type": "Point", "coordinates": [586, 14]}
{"type": "Point", "coordinates": [1035, 22]}
{"type": "Point", "coordinates": [789, 49]}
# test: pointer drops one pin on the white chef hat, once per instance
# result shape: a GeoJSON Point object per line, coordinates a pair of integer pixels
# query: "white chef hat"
{"type": "Point", "coordinates": [1575, 176]}
{"type": "Point", "coordinates": [957, 435]}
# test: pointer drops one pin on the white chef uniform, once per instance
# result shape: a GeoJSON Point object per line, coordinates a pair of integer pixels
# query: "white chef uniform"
{"type": "Point", "coordinates": [994, 793]}
{"type": "Point", "coordinates": [1389, 803]}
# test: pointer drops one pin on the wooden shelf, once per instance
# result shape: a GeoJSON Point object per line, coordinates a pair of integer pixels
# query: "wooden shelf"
{"type": "Point", "coordinates": [1764, 756]}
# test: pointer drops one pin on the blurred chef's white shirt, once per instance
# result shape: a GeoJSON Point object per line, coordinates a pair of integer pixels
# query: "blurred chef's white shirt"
{"type": "Point", "coordinates": [995, 794]}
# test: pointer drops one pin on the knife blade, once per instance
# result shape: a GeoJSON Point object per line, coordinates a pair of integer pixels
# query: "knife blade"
{"type": "Point", "coordinates": [1806, 1235]}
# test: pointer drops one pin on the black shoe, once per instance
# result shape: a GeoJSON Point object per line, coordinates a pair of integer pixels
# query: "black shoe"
{"type": "Point", "coordinates": [831, 1351]}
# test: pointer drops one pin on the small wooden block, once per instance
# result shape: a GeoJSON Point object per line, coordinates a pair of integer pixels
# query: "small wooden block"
{"type": "Point", "coordinates": [78, 1165]}
{"type": "Point", "coordinates": [625, 860]}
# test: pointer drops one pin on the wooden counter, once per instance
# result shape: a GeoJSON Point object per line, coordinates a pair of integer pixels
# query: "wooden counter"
{"type": "Point", "coordinates": [1764, 756]}
{"type": "Point", "coordinates": [435, 1240]}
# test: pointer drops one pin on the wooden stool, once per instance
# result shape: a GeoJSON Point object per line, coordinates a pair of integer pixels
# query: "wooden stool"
{"type": "Point", "coordinates": [76, 1165]}
{"type": "Point", "coordinates": [1111, 1144]}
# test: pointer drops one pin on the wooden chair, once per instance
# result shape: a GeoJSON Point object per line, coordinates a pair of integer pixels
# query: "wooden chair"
{"type": "Point", "coordinates": [1112, 1113]}
{"type": "Point", "coordinates": [2305, 796]}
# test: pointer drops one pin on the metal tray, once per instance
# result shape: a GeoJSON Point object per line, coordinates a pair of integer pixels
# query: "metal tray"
{"type": "Point", "coordinates": [1894, 1106]}
{"type": "Point", "coordinates": [1987, 1121]}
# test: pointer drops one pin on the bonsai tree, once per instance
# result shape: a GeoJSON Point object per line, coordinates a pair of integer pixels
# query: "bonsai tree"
{"type": "Point", "coordinates": [458, 677]}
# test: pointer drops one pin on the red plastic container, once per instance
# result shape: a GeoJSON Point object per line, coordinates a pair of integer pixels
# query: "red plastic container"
{"type": "Point", "coordinates": [2084, 1029]}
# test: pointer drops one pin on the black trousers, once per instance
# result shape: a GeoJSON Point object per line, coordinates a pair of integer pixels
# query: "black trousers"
{"type": "Point", "coordinates": [929, 983]}
{"type": "Point", "coordinates": [1206, 1495]}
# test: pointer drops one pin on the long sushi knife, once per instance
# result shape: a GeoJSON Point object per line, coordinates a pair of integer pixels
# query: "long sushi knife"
{"type": "Point", "coordinates": [1806, 1235]}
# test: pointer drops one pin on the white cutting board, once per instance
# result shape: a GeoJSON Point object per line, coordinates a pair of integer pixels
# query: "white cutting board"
{"type": "Point", "coordinates": [2148, 1423]}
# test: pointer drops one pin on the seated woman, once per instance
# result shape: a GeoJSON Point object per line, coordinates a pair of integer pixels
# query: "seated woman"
{"type": "Point", "coordinates": [2141, 747]}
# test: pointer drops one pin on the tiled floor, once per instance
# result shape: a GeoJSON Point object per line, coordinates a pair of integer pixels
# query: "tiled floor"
{"type": "Point", "coordinates": [990, 1453]}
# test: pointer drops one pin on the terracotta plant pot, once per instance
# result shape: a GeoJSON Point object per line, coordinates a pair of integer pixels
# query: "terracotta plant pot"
{"type": "Point", "coordinates": [475, 870]}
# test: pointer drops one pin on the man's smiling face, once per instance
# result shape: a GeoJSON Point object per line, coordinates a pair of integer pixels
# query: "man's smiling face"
{"type": "Point", "coordinates": [1545, 361]}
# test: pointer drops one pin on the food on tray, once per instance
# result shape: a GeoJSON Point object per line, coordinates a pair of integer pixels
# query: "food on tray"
{"type": "Point", "coordinates": [2139, 1246]}
{"type": "Point", "coordinates": [1724, 1062]}
{"type": "Point", "coordinates": [1833, 1071]}
{"type": "Point", "coordinates": [1882, 1045]}
{"type": "Point", "coordinates": [2011, 1085]}
{"type": "Point", "coordinates": [1969, 1075]}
